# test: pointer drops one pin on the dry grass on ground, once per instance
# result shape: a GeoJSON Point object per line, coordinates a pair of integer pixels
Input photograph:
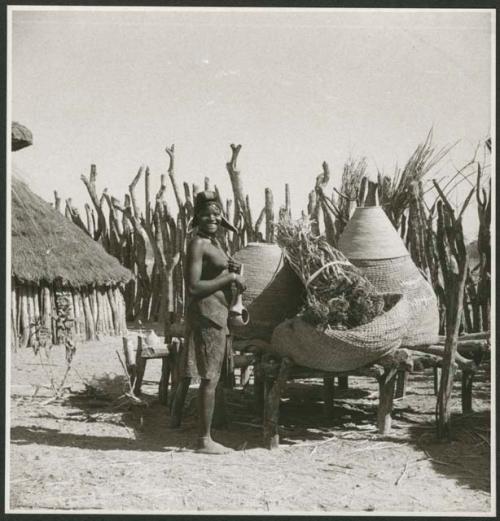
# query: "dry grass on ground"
{"type": "Point", "coordinates": [81, 453]}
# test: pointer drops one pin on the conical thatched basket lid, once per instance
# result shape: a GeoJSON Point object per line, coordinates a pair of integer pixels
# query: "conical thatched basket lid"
{"type": "Point", "coordinates": [370, 235]}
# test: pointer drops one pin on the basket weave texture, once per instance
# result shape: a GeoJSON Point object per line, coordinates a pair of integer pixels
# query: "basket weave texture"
{"type": "Point", "coordinates": [335, 350]}
{"type": "Point", "coordinates": [369, 234]}
{"type": "Point", "coordinates": [400, 275]}
{"type": "Point", "coordinates": [273, 292]}
{"type": "Point", "coordinates": [371, 243]}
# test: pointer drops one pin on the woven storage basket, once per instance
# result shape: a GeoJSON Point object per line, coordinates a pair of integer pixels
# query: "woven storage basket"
{"type": "Point", "coordinates": [370, 235]}
{"type": "Point", "coordinates": [372, 244]}
{"type": "Point", "coordinates": [402, 276]}
{"type": "Point", "coordinates": [273, 292]}
{"type": "Point", "coordinates": [335, 350]}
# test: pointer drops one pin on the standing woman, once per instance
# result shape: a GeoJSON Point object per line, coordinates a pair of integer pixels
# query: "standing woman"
{"type": "Point", "coordinates": [209, 276]}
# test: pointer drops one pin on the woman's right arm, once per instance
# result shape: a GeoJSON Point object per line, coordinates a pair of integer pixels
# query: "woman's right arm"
{"type": "Point", "coordinates": [202, 288]}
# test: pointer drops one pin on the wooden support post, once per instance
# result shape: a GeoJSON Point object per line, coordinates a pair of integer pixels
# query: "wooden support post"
{"type": "Point", "coordinates": [54, 314]}
{"type": "Point", "coordinates": [328, 396]}
{"type": "Point", "coordinates": [229, 364]}
{"type": "Point", "coordinates": [128, 353]}
{"type": "Point", "coordinates": [386, 383]}
{"type": "Point", "coordinates": [288, 206]}
{"type": "Point", "coordinates": [343, 382]}
{"type": "Point", "coordinates": [31, 313]}
{"type": "Point", "coordinates": [16, 304]}
{"type": "Point", "coordinates": [76, 313]}
{"type": "Point", "coordinates": [115, 319]}
{"type": "Point", "coordinates": [269, 209]}
{"type": "Point", "coordinates": [244, 375]}
{"type": "Point", "coordinates": [454, 260]}
{"type": "Point", "coordinates": [437, 378]}
{"type": "Point", "coordinates": [401, 381]}
{"type": "Point", "coordinates": [147, 191]}
{"type": "Point", "coordinates": [165, 376]}
{"type": "Point", "coordinates": [90, 329]}
{"type": "Point", "coordinates": [175, 346]}
{"type": "Point", "coordinates": [24, 329]}
{"type": "Point", "coordinates": [140, 364]}
{"type": "Point", "coordinates": [13, 318]}
{"type": "Point", "coordinates": [258, 386]}
{"type": "Point", "coordinates": [57, 201]}
{"type": "Point", "coordinates": [272, 405]}
{"type": "Point", "coordinates": [467, 378]}
{"type": "Point", "coordinates": [101, 327]}
{"type": "Point", "coordinates": [36, 300]}
{"type": "Point", "coordinates": [93, 308]}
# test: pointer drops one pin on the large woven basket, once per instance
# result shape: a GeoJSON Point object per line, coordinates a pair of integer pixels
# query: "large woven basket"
{"type": "Point", "coordinates": [369, 234]}
{"type": "Point", "coordinates": [372, 244]}
{"type": "Point", "coordinates": [335, 350]}
{"type": "Point", "coordinates": [402, 276]}
{"type": "Point", "coordinates": [273, 292]}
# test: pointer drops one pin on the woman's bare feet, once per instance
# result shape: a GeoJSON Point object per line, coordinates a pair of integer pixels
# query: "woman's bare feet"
{"type": "Point", "coordinates": [207, 445]}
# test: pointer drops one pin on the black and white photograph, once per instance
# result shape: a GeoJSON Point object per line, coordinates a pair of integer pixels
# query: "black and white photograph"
{"type": "Point", "coordinates": [250, 261]}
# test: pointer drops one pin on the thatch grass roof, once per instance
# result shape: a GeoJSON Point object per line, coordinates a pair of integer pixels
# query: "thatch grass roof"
{"type": "Point", "coordinates": [47, 247]}
{"type": "Point", "coordinates": [20, 136]}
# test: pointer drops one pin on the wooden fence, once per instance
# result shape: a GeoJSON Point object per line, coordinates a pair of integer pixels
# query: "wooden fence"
{"type": "Point", "coordinates": [152, 243]}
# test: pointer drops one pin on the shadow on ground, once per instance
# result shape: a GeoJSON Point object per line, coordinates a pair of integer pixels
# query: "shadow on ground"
{"type": "Point", "coordinates": [147, 426]}
{"type": "Point", "coordinates": [466, 457]}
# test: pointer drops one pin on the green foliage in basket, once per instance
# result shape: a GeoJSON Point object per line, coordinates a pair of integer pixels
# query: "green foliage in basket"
{"type": "Point", "coordinates": [338, 295]}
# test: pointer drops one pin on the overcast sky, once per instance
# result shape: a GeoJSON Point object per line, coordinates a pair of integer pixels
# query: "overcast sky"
{"type": "Point", "coordinates": [294, 88]}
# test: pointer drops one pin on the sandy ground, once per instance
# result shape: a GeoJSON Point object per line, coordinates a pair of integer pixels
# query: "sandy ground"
{"type": "Point", "coordinates": [83, 453]}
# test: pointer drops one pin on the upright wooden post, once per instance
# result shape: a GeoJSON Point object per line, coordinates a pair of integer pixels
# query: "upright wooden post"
{"type": "Point", "coordinates": [328, 396]}
{"type": "Point", "coordinates": [386, 384]}
{"type": "Point", "coordinates": [13, 317]}
{"type": "Point", "coordinates": [147, 191]}
{"type": "Point", "coordinates": [258, 385]}
{"type": "Point", "coordinates": [165, 376]}
{"type": "Point", "coordinates": [24, 326]}
{"type": "Point", "coordinates": [272, 404]}
{"type": "Point", "coordinates": [454, 259]}
{"type": "Point", "coordinates": [343, 382]}
{"type": "Point", "coordinates": [140, 364]}
{"type": "Point", "coordinates": [174, 350]}
{"type": "Point", "coordinates": [269, 206]}
{"type": "Point", "coordinates": [437, 378]}
{"type": "Point", "coordinates": [288, 205]}
{"type": "Point", "coordinates": [467, 378]}
{"type": "Point", "coordinates": [401, 381]}
{"type": "Point", "coordinates": [128, 353]}
{"type": "Point", "coordinates": [57, 201]}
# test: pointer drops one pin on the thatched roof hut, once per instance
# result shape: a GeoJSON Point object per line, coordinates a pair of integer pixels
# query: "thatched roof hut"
{"type": "Point", "coordinates": [52, 257]}
{"type": "Point", "coordinates": [21, 136]}
{"type": "Point", "coordinates": [48, 248]}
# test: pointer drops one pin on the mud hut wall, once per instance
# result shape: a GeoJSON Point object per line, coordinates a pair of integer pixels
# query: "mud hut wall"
{"type": "Point", "coordinates": [95, 312]}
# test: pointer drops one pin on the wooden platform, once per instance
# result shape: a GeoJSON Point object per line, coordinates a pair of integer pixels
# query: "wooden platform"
{"type": "Point", "coordinates": [273, 376]}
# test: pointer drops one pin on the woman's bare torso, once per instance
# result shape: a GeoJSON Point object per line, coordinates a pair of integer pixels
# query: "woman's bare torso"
{"type": "Point", "coordinates": [213, 264]}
